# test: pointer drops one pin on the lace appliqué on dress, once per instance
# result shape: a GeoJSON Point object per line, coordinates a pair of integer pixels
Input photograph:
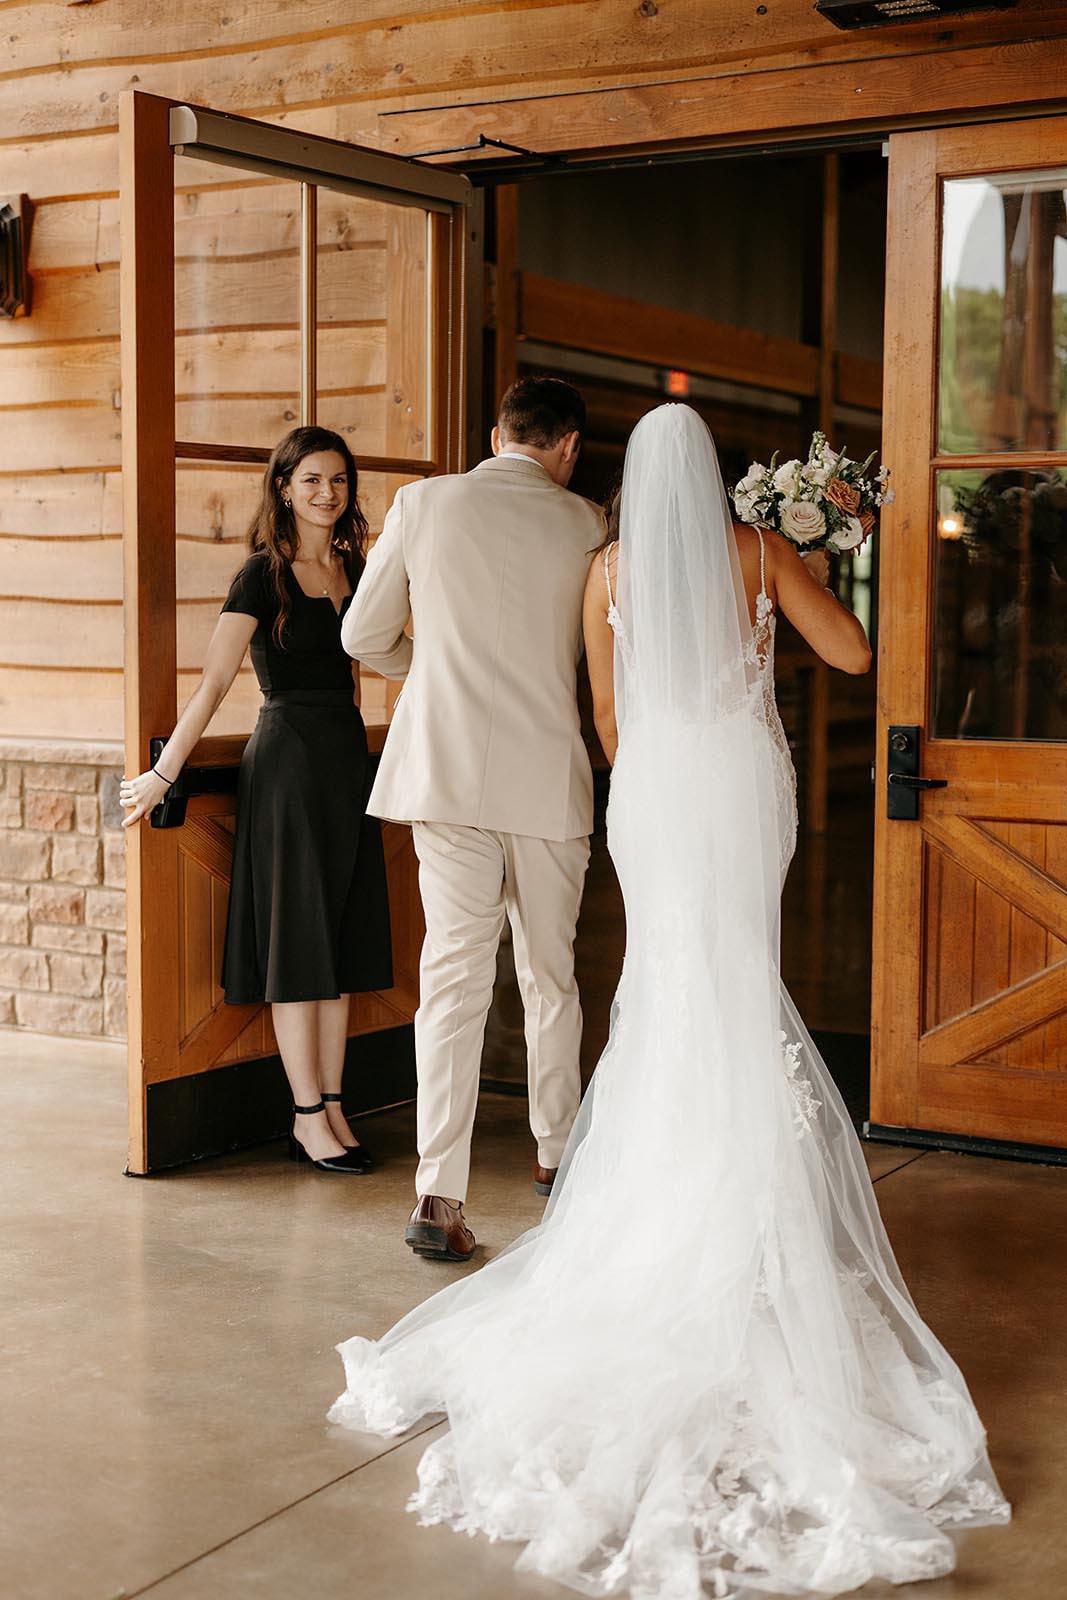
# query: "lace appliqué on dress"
{"type": "Point", "coordinates": [614, 615]}
{"type": "Point", "coordinates": [759, 659]}
{"type": "Point", "coordinates": [805, 1103]}
{"type": "Point", "coordinates": [725, 1526]}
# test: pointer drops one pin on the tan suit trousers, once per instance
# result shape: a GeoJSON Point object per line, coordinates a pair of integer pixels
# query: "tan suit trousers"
{"type": "Point", "coordinates": [469, 880]}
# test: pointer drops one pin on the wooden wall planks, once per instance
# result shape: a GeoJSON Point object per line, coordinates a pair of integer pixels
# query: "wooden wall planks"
{"type": "Point", "coordinates": [404, 46]}
{"type": "Point", "coordinates": [78, 705]}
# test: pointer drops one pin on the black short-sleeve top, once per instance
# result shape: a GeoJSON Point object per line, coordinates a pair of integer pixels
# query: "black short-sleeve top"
{"type": "Point", "coordinates": [312, 656]}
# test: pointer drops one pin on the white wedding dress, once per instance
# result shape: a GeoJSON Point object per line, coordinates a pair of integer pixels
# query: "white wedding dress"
{"type": "Point", "coordinates": [702, 1373]}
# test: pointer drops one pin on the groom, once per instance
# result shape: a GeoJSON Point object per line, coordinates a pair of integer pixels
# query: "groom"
{"type": "Point", "coordinates": [485, 759]}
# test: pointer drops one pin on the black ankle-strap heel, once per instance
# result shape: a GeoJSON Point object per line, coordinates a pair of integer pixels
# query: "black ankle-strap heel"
{"type": "Point", "coordinates": [353, 1162]}
{"type": "Point", "coordinates": [361, 1148]}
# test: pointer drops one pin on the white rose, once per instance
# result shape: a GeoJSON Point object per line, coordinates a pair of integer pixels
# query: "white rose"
{"type": "Point", "coordinates": [816, 474]}
{"type": "Point", "coordinates": [851, 535]}
{"type": "Point", "coordinates": [802, 521]}
{"type": "Point", "coordinates": [786, 477]}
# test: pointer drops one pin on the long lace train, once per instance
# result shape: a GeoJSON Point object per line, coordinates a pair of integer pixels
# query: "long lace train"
{"type": "Point", "coordinates": [795, 1429]}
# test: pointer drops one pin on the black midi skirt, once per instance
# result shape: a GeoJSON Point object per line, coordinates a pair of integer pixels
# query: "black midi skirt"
{"type": "Point", "coordinates": [309, 911]}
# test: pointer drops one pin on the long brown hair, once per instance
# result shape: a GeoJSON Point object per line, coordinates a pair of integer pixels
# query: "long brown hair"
{"type": "Point", "coordinates": [272, 531]}
{"type": "Point", "coordinates": [612, 510]}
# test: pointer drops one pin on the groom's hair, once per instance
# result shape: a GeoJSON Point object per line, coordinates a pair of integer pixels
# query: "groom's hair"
{"type": "Point", "coordinates": [540, 411]}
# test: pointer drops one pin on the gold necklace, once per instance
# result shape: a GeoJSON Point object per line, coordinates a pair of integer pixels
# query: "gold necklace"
{"type": "Point", "coordinates": [302, 560]}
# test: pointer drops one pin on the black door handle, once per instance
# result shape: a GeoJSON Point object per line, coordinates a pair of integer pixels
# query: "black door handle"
{"type": "Point", "coordinates": [904, 783]}
{"type": "Point", "coordinates": [170, 812]}
{"type": "Point", "coordinates": [904, 780]}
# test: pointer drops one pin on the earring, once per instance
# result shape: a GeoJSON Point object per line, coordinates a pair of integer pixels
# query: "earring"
{"type": "Point", "coordinates": [287, 503]}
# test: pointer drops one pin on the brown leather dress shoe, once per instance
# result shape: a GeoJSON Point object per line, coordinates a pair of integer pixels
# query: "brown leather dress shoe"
{"type": "Point", "coordinates": [544, 1178]}
{"type": "Point", "coordinates": [437, 1230]}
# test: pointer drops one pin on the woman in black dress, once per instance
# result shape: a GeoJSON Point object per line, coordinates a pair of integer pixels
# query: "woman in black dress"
{"type": "Point", "coordinates": [308, 919]}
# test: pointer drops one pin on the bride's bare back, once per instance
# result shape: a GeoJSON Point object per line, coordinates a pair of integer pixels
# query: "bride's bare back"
{"type": "Point", "coordinates": [833, 632]}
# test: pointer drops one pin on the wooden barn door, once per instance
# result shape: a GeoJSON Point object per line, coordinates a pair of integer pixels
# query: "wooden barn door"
{"type": "Point", "coordinates": [269, 279]}
{"type": "Point", "coordinates": [970, 950]}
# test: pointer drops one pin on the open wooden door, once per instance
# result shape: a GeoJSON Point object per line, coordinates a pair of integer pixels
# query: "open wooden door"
{"type": "Point", "coordinates": [269, 279]}
{"type": "Point", "coordinates": [970, 940]}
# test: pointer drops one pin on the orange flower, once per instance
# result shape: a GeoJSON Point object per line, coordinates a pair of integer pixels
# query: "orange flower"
{"type": "Point", "coordinates": [866, 521]}
{"type": "Point", "coordinates": [843, 495]}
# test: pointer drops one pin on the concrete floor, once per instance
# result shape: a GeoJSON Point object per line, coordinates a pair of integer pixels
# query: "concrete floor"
{"type": "Point", "coordinates": [170, 1354]}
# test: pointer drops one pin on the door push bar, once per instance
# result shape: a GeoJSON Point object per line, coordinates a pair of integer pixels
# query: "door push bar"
{"type": "Point", "coordinates": [170, 812]}
{"type": "Point", "coordinates": [902, 793]}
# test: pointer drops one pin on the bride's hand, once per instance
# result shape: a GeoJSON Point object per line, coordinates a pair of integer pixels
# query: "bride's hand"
{"type": "Point", "coordinates": [138, 796]}
{"type": "Point", "coordinates": [818, 565]}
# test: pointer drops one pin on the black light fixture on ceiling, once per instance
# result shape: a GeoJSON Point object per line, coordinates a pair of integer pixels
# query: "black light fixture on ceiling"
{"type": "Point", "coordinates": [880, 13]}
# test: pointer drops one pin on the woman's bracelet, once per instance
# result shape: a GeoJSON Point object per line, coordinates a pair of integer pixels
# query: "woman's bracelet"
{"type": "Point", "coordinates": [170, 782]}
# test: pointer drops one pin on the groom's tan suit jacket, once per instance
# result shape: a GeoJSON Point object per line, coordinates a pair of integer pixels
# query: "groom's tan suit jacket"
{"type": "Point", "coordinates": [491, 565]}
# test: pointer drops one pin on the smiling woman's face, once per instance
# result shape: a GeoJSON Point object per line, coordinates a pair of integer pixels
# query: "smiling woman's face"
{"type": "Point", "coordinates": [318, 489]}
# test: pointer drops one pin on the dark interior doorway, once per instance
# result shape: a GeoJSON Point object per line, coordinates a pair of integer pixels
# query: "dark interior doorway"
{"type": "Point", "coordinates": [752, 287]}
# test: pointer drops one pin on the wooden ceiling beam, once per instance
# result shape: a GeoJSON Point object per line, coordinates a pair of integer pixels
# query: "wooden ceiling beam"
{"type": "Point", "coordinates": [823, 99]}
{"type": "Point", "coordinates": [579, 318]}
{"type": "Point", "coordinates": [576, 317]}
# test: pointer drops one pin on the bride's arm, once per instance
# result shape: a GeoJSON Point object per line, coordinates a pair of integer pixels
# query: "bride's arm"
{"type": "Point", "coordinates": [829, 627]}
{"type": "Point", "coordinates": [600, 653]}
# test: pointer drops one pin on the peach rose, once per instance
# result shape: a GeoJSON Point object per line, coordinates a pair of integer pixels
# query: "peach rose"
{"type": "Point", "coordinates": [802, 521]}
{"type": "Point", "coordinates": [845, 496]}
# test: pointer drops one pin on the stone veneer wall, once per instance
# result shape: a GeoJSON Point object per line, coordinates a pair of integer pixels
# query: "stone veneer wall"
{"type": "Point", "coordinates": [62, 896]}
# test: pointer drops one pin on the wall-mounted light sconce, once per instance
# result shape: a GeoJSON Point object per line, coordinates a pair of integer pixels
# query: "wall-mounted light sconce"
{"type": "Point", "coordinates": [880, 13]}
{"type": "Point", "coordinates": [16, 215]}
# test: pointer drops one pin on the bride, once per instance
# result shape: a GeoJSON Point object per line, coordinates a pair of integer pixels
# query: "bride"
{"type": "Point", "coordinates": [702, 1373]}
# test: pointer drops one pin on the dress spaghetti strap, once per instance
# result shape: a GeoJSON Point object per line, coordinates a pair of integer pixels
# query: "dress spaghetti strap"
{"type": "Point", "coordinates": [607, 573]}
{"type": "Point", "coordinates": [762, 565]}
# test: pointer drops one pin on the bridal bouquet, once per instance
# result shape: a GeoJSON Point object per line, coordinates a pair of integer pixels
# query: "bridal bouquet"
{"type": "Point", "coordinates": [827, 502]}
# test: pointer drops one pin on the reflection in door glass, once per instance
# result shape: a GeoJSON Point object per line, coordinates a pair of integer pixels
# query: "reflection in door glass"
{"type": "Point", "coordinates": [236, 303]}
{"type": "Point", "coordinates": [1003, 359]}
{"type": "Point", "coordinates": [215, 502]}
{"type": "Point", "coordinates": [1000, 622]}
{"type": "Point", "coordinates": [373, 324]}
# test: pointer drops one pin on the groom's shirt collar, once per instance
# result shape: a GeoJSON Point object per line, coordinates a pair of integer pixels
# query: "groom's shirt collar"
{"type": "Point", "coordinates": [514, 462]}
{"type": "Point", "coordinates": [517, 450]}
